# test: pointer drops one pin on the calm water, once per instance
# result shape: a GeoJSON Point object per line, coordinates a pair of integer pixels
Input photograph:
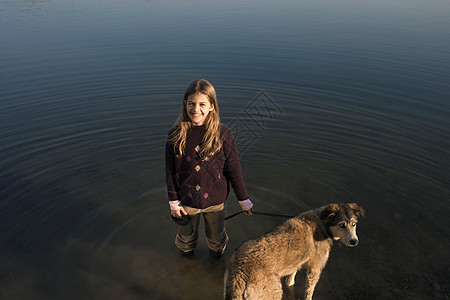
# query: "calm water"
{"type": "Point", "coordinates": [329, 101]}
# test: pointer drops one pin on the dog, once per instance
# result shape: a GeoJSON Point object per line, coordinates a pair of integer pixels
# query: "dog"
{"type": "Point", "coordinates": [256, 268]}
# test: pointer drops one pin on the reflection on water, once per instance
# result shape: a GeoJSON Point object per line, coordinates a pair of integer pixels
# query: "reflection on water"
{"type": "Point", "coordinates": [329, 101]}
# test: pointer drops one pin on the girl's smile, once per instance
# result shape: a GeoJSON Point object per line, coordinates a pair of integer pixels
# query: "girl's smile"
{"type": "Point", "coordinates": [198, 107]}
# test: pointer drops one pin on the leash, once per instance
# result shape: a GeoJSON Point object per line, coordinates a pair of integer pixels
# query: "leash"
{"type": "Point", "coordinates": [259, 213]}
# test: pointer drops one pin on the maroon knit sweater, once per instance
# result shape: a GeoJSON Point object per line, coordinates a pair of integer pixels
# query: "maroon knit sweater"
{"type": "Point", "coordinates": [201, 184]}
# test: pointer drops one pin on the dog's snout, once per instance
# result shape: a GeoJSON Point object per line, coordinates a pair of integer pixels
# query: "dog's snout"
{"type": "Point", "coordinates": [353, 242]}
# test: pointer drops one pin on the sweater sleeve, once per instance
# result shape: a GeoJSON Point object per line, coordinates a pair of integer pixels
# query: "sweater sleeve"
{"type": "Point", "coordinates": [171, 178]}
{"type": "Point", "coordinates": [233, 167]}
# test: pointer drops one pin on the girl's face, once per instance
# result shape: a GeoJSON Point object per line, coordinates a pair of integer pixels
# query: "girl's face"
{"type": "Point", "coordinates": [198, 108]}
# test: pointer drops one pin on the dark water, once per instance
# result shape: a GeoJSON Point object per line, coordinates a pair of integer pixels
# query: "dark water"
{"type": "Point", "coordinates": [329, 101]}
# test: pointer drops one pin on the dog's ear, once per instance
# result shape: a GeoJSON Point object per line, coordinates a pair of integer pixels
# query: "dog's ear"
{"type": "Point", "coordinates": [329, 211]}
{"type": "Point", "coordinates": [358, 210]}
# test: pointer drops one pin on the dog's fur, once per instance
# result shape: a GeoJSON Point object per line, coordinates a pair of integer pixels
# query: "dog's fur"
{"type": "Point", "coordinates": [257, 266]}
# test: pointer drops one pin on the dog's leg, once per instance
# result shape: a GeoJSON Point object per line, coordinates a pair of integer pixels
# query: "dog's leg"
{"type": "Point", "coordinates": [290, 279]}
{"type": "Point", "coordinates": [314, 269]}
{"type": "Point", "coordinates": [225, 280]}
{"type": "Point", "coordinates": [312, 277]}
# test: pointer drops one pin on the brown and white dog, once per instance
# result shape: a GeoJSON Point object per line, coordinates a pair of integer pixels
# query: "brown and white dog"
{"type": "Point", "coordinates": [255, 269]}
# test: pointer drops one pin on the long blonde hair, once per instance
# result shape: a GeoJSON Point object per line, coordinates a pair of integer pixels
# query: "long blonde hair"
{"type": "Point", "coordinates": [212, 140]}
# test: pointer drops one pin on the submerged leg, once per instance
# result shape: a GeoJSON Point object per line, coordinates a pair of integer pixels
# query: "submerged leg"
{"type": "Point", "coordinates": [288, 287]}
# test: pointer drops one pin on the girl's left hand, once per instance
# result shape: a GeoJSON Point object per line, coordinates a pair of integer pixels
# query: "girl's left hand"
{"type": "Point", "coordinates": [249, 212]}
{"type": "Point", "coordinates": [246, 206]}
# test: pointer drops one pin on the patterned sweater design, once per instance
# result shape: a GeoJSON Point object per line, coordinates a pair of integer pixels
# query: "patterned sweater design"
{"type": "Point", "coordinates": [201, 184]}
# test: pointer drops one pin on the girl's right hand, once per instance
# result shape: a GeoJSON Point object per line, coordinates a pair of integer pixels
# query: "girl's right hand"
{"type": "Point", "coordinates": [176, 209]}
{"type": "Point", "coordinates": [177, 212]}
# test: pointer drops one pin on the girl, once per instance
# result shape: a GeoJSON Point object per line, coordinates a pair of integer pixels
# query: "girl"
{"type": "Point", "coordinates": [201, 163]}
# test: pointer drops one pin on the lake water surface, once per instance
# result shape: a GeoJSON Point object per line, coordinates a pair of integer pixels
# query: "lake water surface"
{"type": "Point", "coordinates": [329, 101]}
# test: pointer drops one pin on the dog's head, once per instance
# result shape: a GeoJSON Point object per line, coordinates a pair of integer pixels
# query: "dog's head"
{"type": "Point", "coordinates": [341, 220]}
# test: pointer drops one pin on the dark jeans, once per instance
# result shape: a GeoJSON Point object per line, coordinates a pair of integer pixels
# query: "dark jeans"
{"type": "Point", "coordinates": [216, 236]}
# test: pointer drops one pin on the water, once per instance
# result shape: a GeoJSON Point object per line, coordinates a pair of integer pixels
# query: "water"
{"type": "Point", "coordinates": [330, 101]}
